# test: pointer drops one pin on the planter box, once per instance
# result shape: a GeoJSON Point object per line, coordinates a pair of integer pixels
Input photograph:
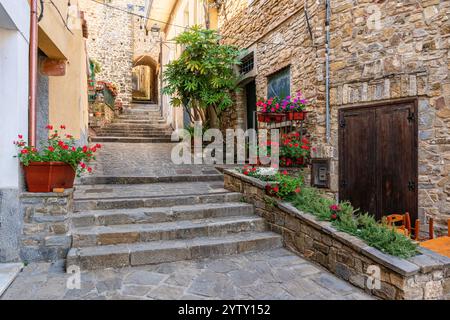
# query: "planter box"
{"type": "Point", "coordinates": [297, 115]}
{"type": "Point", "coordinates": [425, 276]}
{"type": "Point", "coordinates": [271, 117]}
{"type": "Point", "coordinates": [45, 176]}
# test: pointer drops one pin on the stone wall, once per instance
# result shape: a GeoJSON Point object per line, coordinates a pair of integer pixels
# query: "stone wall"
{"type": "Point", "coordinates": [379, 52]}
{"type": "Point", "coordinates": [116, 38]}
{"type": "Point", "coordinates": [425, 276]}
{"type": "Point", "coordinates": [45, 235]}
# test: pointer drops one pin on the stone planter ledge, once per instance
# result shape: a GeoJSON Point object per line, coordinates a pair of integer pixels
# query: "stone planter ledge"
{"type": "Point", "coordinates": [424, 276]}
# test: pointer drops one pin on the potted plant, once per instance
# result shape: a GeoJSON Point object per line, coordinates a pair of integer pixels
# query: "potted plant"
{"type": "Point", "coordinates": [294, 150]}
{"type": "Point", "coordinates": [271, 110]}
{"type": "Point", "coordinates": [56, 163]}
{"type": "Point", "coordinates": [98, 110]}
{"type": "Point", "coordinates": [295, 107]}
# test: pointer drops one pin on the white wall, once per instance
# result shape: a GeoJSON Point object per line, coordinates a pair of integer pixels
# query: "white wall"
{"type": "Point", "coordinates": [14, 34]}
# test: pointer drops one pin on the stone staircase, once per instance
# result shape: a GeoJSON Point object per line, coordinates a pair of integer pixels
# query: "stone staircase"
{"type": "Point", "coordinates": [140, 123]}
{"type": "Point", "coordinates": [138, 224]}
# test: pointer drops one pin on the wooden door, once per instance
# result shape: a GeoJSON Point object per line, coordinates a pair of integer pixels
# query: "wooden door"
{"type": "Point", "coordinates": [378, 158]}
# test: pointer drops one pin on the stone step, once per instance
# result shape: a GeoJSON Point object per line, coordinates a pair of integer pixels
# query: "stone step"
{"type": "Point", "coordinates": [121, 180]}
{"type": "Point", "coordinates": [133, 134]}
{"type": "Point", "coordinates": [157, 201]}
{"type": "Point", "coordinates": [189, 229]}
{"type": "Point", "coordinates": [128, 126]}
{"type": "Point", "coordinates": [140, 117]}
{"type": "Point", "coordinates": [136, 254]}
{"type": "Point", "coordinates": [161, 214]}
{"type": "Point", "coordinates": [113, 133]}
{"type": "Point", "coordinates": [139, 121]}
{"type": "Point", "coordinates": [132, 139]}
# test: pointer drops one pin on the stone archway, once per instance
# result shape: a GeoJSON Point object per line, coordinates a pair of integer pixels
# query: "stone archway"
{"type": "Point", "coordinates": [145, 79]}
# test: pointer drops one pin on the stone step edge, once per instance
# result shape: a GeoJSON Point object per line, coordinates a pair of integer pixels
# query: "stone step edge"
{"type": "Point", "coordinates": [165, 231]}
{"type": "Point", "coordinates": [149, 179]}
{"type": "Point", "coordinates": [93, 204]}
{"type": "Point", "coordinates": [126, 255]}
{"type": "Point", "coordinates": [164, 214]}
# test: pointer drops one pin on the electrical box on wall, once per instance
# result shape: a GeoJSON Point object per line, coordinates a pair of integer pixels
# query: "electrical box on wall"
{"type": "Point", "coordinates": [320, 173]}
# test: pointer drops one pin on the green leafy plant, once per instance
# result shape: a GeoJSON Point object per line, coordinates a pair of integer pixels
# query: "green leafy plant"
{"type": "Point", "coordinates": [95, 67]}
{"type": "Point", "coordinates": [362, 225]}
{"type": "Point", "coordinates": [57, 148]}
{"type": "Point", "coordinates": [202, 79]}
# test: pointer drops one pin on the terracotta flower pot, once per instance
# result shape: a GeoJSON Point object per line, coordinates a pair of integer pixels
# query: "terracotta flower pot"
{"type": "Point", "coordinates": [297, 115]}
{"type": "Point", "coordinates": [45, 176]}
{"type": "Point", "coordinates": [269, 117]}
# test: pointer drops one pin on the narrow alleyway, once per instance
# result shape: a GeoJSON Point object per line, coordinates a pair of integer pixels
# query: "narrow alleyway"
{"type": "Point", "coordinates": [145, 228]}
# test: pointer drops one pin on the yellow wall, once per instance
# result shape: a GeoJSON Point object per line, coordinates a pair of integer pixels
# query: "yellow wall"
{"type": "Point", "coordinates": [68, 102]}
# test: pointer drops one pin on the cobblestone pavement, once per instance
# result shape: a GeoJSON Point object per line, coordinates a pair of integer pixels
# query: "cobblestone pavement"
{"type": "Point", "coordinates": [143, 159]}
{"type": "Point", "coordinates": [273, 274]}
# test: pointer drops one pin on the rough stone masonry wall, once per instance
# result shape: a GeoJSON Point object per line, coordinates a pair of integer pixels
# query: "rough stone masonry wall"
{"type": "Point", "coordinates": [425, 276]}
{"type": "Point", "coordinates": [110, 42]}
{"type": "Point", "coordinates": [45, 235]}
{"type": "Point", "coordinates": [116, 39]}
{"type": "Point", "coordinates": [404, 53]}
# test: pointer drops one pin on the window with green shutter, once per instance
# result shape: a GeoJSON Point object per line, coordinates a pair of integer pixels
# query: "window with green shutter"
{"type": "Point", "coordinates": [279, 84]}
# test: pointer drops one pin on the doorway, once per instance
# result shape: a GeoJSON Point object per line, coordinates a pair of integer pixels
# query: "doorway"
{"type": "Point", "coordinates": [250, 95]}
{"type": "Point", "coordinates": [378, 166]}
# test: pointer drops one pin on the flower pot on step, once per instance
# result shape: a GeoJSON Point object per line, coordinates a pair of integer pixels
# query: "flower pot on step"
{"type": "Point", "coordinates": [45, 176]}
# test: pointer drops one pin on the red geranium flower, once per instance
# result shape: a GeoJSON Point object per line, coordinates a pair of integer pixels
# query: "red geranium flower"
{"type": "Point", "coordinates": [62, 127]}
{"type": "Point", "coordinates": [24, 151]}
{"type": "Point", "coordinates": [85, 149]}
{"type": "Point", "coordinates": [49, 127]}
{"type": "Point", "coordinates": [20, 136]}
{"type": "Point", "coordinates": [51, 149]}
{"type": "Point", "coordinates": [82, 165]}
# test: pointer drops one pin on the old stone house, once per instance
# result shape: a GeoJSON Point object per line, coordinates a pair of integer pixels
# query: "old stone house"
{"type": "Point", "coordinates": [389, 91]}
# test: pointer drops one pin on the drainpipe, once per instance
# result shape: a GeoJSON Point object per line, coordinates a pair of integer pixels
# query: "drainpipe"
{"type": "Point", "coordinates": [161, 85]}
{"type": "Point", "coordinates": [32, 86]}
{"type": "Point", "coordinates": [327, 66]}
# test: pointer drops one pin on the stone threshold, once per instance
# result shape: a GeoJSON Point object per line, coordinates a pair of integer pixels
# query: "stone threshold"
{"type": "Point", "coordinates": [8, 273]}
{"type": "Point", "coordinates": [424, 276]}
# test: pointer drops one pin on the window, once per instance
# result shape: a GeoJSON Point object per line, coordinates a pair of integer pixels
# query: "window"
{"type": "Point", "coordinates": [279, 83]}
{"type": "Point", "coordinates": [247, 64]}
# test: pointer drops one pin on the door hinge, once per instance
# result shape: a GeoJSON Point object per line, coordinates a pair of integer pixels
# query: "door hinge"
{"type": "Point", "coordinates": [411, 116]}
{"type": "Point", "coordinates": [411, 185]}
{"type": "Point", "coordinates": [342, 123]}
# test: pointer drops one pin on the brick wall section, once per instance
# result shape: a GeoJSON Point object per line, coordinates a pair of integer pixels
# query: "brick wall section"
{"type": "Point", "coordinates": [45, 235]}
{"type": "Point", "coordinates": [408, 56]}
{"type": "Point", "coordinates": [426, 276]}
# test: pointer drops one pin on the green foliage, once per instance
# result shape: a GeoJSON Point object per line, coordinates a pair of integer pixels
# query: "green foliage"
{"type": "Point", "coordinates": [359, 224]}
{"type": "Point", "coordinates": [95, 66]}
{"type": "Point", "coordinates": [287, 186]}
{"type": "Point", "coordinates": [204, 74]}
